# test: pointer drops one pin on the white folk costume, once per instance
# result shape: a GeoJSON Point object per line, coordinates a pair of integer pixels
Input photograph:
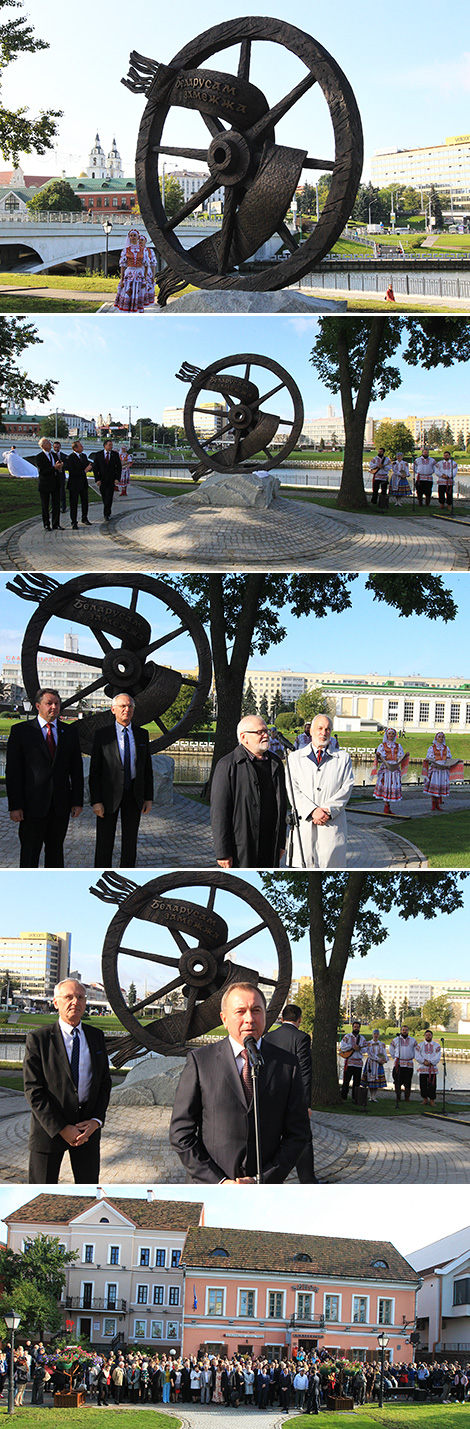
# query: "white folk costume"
{"type": "Point", "coordinates": [390, 763]}
{"type": "Point", "coordinates": [424, 468]}
{"type": "Point", "coordinates": [373, 1075]}
{"type": "Point", "coordinates": [438, 770]}
{"type": "Point", "coordinates": [324, 785]}
{"type": "Point", "coordinates": [400, 484]}
{"type": "Point", "coordinates": [403, 1052]}
{"type": "Point", "coordinates": [352, 1048]}
{"type": "Point", "coordinates": [126, 463]}
{"type": "Point", "coordinates": [446, 472]}
{"type": "Point", "coordinates": [132, 292]}
{"type": "Point", "coordinates": [380, 467]}
{"type": "Point", "coordinates": [428, 1056]}
{"type": "Point", "coordinates": [17, 465]}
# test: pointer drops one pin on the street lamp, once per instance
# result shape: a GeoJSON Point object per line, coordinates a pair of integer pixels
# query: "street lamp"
{"type": "Point", "coordinates": [12, 1321]}
{"type": "Point", "coordinates": [107, 226]}
{"type": "Point", "coordinates": [382, 1341]}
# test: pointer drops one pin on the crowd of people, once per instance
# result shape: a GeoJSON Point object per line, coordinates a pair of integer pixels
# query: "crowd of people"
{"type": "Point", "coordinates": [391, 480]}
{"type": "Point", "coordinates": [59, 473]}
{"type": "Point", "coordinates": [302, 1384]}
{"type": "Point", "coordinates": [365, 1060]}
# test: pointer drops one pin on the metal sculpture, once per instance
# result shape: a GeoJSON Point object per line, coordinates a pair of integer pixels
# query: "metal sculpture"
{"type": "Point", "coordinates": [201, 973]}
{"type": "Point", "coordinates": [121, 666]}
{"type": "Point", "coordinates": [259, 176]}
{"type": "Point", "coordinates": [252, 428]}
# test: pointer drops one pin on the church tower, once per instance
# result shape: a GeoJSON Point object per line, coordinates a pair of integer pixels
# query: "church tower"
{"type": "Point", "coordinates": [114, 163]}
{"type": "Point", "coordinates": [96, 167]}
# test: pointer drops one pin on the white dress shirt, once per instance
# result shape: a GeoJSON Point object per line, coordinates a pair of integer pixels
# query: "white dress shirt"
{"type": "Point", "coordinates": [43, 724]}
{"type": "Point", "coordinates": [238, 1049]}
{"type": "Point", "coordinates": [85, 1071]}
{"type": "Point", "coordinates": [120, 729]}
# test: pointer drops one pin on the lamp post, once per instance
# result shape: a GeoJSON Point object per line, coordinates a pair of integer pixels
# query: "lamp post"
{"type": "Point", "coordinates": [382, 1341]}
{"type": "Point", "coordinates": [12, 1321]}
{"type": "Point", "coordinates": [107, 226]}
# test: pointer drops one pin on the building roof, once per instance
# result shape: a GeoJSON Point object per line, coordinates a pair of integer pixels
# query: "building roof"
{"type": "Point", "coordinates": [284, 1253]}
{"type": "Point", "coordinates": [30, 181]}
{"type": "Point", "coordinates": [441, 1252]}
{"type": "Point", "coordinates": [154, 1215]}
{"type": "Point", "coordinates": [116, 186]}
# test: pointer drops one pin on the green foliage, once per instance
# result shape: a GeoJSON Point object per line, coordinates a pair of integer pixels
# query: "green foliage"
{"type": "Point", "coordinates": [369, 201]}
{"type": "Point", "coordinates": [460, 441]}
{"type": "Point", "coordinates": [18, 134]}
{"type": "Point", "coordinates": [16, 334]}
{"type": "Point", "coordinates": [437, 1011]}
{"type": "Point", "coordinates": [305, 998]}
{"type": "Point", "coordinates": [132, 995]}
{"type": "Point", "coordinates": [181, 704]}
{"type": "Point", "coordinates": [34, 1280]}
{"type": "Point", "coordinates": [395, 437]}
{"type": "Point", "coordinates": [312, 703]}
{"type": "Point", "coordinates": [436, 209]}
{"type": "Point", "coordinates": [58, 197]}
{"type": "Point", "coordinates": [48, 426]}
{"type": "Point", "coordinates": [249, 706]}
{"type": "Point", "coordinates": [174, 196]}
{"type": "Point", "coordinates": [263, 709]}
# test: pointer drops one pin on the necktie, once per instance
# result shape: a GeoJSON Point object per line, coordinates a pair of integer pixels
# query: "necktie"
{"type": "Point", "coordinates": [75, 1055]}
{"type": "Point", "coordinates": [127, 761]}
{"type": "Point", "coordinates": [106, 456]}
{"type": "Point", "coordinates": [246, 1077]}
{"type": "Point", "coordinates": [50, 741]}
{"type": "Point", "coordinates": [318, 756]}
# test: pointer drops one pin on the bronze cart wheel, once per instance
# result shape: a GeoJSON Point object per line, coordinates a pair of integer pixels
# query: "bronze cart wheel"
{"type": "Point", "coordinates": [243, 420]}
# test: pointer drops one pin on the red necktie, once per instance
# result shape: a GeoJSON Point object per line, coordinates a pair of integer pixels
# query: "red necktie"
{"type": "Point", "coordinates": [50, 741]}
{"type": "Point", "coordinates": [246, 1077]}
{"type": "Point", "coordinates": [107, 456]}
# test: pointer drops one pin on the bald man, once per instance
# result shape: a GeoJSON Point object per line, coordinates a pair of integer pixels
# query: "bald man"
{"type": "Point", "coordinates": [67, 1083]}
{"type": "Point", "coordinates": [248, 801]}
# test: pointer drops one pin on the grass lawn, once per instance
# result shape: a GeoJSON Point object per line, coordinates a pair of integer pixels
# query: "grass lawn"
{"type": "Point", "coordinates": [81, 1417]}
{"type": "Point", "coordinates": [19, 499]}
{"type": "Point", "coordinates": [55, 280]}
{"type": "Point", "coordinates": [445, 839]}
{"type": "Point", "coordinates": [384, 1108]}
{"type": "Point", "coordinates": [11, 304]}
{"type": "Point", "coordinates": [393, 1416]}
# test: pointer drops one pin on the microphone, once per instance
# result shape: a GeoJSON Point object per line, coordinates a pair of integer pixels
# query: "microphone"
{"type": "Point", "coordinates": [254, 1056]}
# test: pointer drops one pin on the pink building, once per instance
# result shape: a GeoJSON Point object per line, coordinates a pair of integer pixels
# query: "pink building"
{"type": "Point", "coordinates": [264, 1292]}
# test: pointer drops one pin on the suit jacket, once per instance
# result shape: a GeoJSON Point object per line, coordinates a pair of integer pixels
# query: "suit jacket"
{"type": "Point", "coordinates": [235, 808]}
{"type": "Point", "coordinates": [49, 1086]}
{"type": "Point", "coordinates": [212, 1128]}
{"type": "Point", "coordinates": [107, 472]}
{"type": "Point", "coordinates": [75, 467]}
{"type": "Point", "coordinates": [33, 781]}
{"type": "Point", "coordinates": [299, 1043]}
{"type": "Point", "coordinates": [49, 478]}
{"type": "Point", "coordinates": [107, 771]}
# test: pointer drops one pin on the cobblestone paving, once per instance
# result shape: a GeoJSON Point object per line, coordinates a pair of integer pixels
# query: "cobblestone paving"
{"type": "Point", "coordinates": [150, 531]}
{"type": "Point", "coordinates": [180, 837]}
{"type": "Point", "coordinates": [411, 1149]}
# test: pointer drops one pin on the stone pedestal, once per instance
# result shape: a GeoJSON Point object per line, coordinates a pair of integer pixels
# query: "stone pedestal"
{"type": "Point", "coordinates": [221, 489]}
{"type": "Point", "coordinates": [152, 1082]}
{"type": "Point", "coordinates": [163, 775]}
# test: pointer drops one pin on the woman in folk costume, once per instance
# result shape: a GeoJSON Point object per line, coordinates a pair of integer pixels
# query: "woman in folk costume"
{"type": "Point", "coordinates": [438, 769]}
{"type": "Point", "coordinates": [134, 266]}
{"type": "Point", "coordinates": [126, 463]}
{"type": "Point", "coordinates": [373, 1075]}
{"type": "Point", "coordinates": [400, 485]}
{"type": "Point", "coordinates": [149, 299]}
{"type": "Point", "coordinates": [390, 764]}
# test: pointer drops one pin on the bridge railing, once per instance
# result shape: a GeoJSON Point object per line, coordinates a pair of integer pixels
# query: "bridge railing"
{"type": "Point", "coordinates": [95, 219]}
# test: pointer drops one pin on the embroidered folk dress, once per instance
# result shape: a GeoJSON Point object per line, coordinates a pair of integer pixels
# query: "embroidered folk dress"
{"type": "Point", "coordinates": [132, 292]}
{"type": "Point", "coordinates": [437, 779]}
{"type": "Point", "coordinates": [388, 786]}
{"type": "Point", "coordinates": [373, 1072]}
{"type": "Point", "coordinates": [400, 485]}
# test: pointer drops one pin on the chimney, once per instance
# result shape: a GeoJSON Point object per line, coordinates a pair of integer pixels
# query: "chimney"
{"type": "Point", "coordinates": [150, 1194]}
{"type": "Point", "coordinates": [99, 1193]}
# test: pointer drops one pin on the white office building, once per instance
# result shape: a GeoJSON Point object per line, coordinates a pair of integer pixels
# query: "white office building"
{"type": "Point", "coordinates": [203, 425]}
{"type": "Point", "coordinates": [414, 991]}
{"type": "Point", "coordinates": [446, 167]}
{"type": "Point", "coordinates": [36, 961]}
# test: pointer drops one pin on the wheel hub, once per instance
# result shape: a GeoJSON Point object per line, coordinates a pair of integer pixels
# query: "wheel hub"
{"type": "Point", "coordinates": [240, 417]}
{"type": "Point", "coordinates": [198, 967]}
{"type": "Point", "coordinates": [229, 157]}
{"type": "Point", "coordinates": [122, 668]}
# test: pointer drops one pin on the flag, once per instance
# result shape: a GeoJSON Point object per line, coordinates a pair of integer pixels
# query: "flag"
{"type": "Point", "coordinates": [194, 1298]}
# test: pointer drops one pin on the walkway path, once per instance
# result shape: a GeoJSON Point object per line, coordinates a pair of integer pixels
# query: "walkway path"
{"type": "Point", "coordinates": [149, 531]}
{"type": "Point", "coordinates": [375, 1150]}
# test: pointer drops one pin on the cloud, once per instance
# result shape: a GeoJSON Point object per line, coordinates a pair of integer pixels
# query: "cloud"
{"type": "Point", "coordinates": [442, 77]}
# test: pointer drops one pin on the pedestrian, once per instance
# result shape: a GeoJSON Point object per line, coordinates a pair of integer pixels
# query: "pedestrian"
{"type": "Point", "coordinates": [390, 296]}
{"type": "Point", "coordinates": [436, 770]}
{"type": "Point", "coordinates": [322, 782]}
{"type": "Point", "coordinates": [352, 1048]}
{"type": "Point", "coordinates": [248, 801]}
{"type": "Point", "coordinates": [49, 476]}
{"type": "Point", "coordinates": [135, 270]}
{"type": "Point", "coordinates": [403, 1051]}
{"type": "Point", "coordinates": [400, 484]}
{"type": "Point", "coordinates": [77, 465]}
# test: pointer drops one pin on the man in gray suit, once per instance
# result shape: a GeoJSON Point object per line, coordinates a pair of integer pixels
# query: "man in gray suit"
{"type": "Point", "coordinates": [121, 779]}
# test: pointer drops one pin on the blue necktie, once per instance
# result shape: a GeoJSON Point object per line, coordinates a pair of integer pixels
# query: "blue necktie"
{"type": "Point", "coordinates": [75, 1058]}
{"type": "Point", "coordinates": [127, 761]}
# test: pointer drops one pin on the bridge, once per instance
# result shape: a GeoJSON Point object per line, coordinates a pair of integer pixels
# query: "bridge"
{"type": "Point", "coordinates": [37, 244]}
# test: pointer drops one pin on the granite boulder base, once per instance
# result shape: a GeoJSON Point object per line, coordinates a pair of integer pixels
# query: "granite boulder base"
{"type": "Point", "coordinates": [242, 491]}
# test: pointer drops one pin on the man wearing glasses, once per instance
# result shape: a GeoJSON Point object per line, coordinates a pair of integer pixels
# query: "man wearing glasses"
{"type": "Point", "coordinates": [248, 801]}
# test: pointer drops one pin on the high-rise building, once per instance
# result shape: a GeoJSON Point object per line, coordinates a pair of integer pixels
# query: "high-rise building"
{"type": "Point", "coordinates": [445, 167]}
{"type": "Point", "coordinates": [36, 960]}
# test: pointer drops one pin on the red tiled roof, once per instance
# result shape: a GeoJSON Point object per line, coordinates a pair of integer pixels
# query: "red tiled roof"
{"type": "Point", "coordinates": [61, 1210]}
{"type": "Point", "coordinates": [333, 1256]}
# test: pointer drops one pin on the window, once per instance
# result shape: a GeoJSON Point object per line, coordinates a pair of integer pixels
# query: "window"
{"type": "Point", "coordinates": [88, 1254]}
{"type": "Point", "coordinates": [109, 1329]}
{"type": "Point", "coordinates": [304, 1307]}
{"type": "Point", "coordinates": [467, 714]}
{"type": "Point", "coordinates": [247, 1303]}
{"type": "Point", "coordinates": [144, 1256]}
{"type": "Point", "coordinates": [461, 1292]}
{"type": "Point", "coordinates": [358, 1355]}
{"type": "Point", "coordinates": [392, 709]}
{"type": "Point", "coordinates": [158, 1295]}
{"type": "Point", "coordinates": [408, 710]}
{"type": "Point", "coordinates": [87, 1294]}
{"type": "Point", "coordinates": [140, 1329]}
{"type": "Point", "coordinates": [385, 1312]}
{"type": "Point", "coordinates": [115, 203]}
{"type": "Point", "coordinates": [423, 712]}
{"type": "Point", "coordinates": [111, 1297]}
{"type": "Point", "coordinates": [175, 1258]}
{"type": "Point", "coordinates": [360, 1309]}
{"type": "Point", "coordinates": [331, 1307]}
{"type": "Point", "coordinates": [160, 1257]}
{"type": "Point", "coordinates": [215, 1302]}
{"type": "Point", "coordinates": [98, 203]}
{"type": "Point", "coordinates": [172, 1330]}
{"type": "Point", "coordinates": [440, 711]}
{"type": "Point", "coordinates": [142, 1294]}
{"type": "Point", "coordinates": [174, 1295]}
{"type": "Point", "coordinates": [455, 714]}
{"type": "Point", "coordinates": [156, 1329]}
{"type": "Point", "coordinates": [114, 1254]}
{"type": "Point", "coordinates": [275, 1304]}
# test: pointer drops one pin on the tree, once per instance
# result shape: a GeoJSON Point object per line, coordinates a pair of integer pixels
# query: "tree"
{"type": "Point", "coordinates": [353, 358]}
{"type": "Point", "coordinates": [132, 995]}
{"type": "Point", "coordinates": [275, 703]}
{"type": "Point", "coordinates": [379, 1009]}
{"type": "Point", "coordinates": [305, 999]}
{"type": "Point", "coordinates": [15, 335]}
{"type": "Point", "coordinates": [249, 706]}
{"type": "Point", "coordinates": [438, 1011]}
{"type": "Point", "coordinates": [433, 436]}
{"type": "Point", "coordinates": [18, 134]}
{"type": "Point", "coordinates": [48, 426]}
{"type": "Point", "coordinates": [263, 709]}
{"type": "Point", "coordinates": [436, 209]}
{"type": "Point", "coordinates": [56, 197]}
{"type": "Point", "coordinates": [342, 915]}
{"type": "Point", "coordinates": [369, 206]}
{"type": "Point", "coordinates": [174, 196]}
{"type": "Point", "coordinates": [460, 441]}
{"type": "Point", "coordinates": [312, 703]}
{"type": "Point", "coordinates": [392, 1013]}
{"type": "Point", "coordinates": [447, 436]}
{"type": "Point", "coordinates": [34, 1279]}
{"type": "Point", "coordinates": [182, 703]}
{"type": "Point", "coordinates": [363, 1006]}
{"type": "Point", "coordinates": [243, 613]}
{"type": "Point", "coordinates": [395, 437]}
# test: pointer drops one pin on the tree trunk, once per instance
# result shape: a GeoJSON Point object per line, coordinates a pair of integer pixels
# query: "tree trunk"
{"type": "Point", "coordinates": [230, 674]}
{"type": "Point", "coordinates": [327, 982]}
{"type": "Point", "coordinates": [351, 495]}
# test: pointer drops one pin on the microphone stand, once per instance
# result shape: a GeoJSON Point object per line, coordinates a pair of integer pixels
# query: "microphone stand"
{"type": "Point", "coordinates": [444, 1068]}
{"type": "Point", "coordinates": [256, 1061]}
{"type": "Point", "coordinates": [294, 811]}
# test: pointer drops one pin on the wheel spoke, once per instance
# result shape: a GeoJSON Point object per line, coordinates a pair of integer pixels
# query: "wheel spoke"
{"type": "Point", "coordinates": [191, 1003]}
{"type": "Point", "coordinates": [279, 110]}
{"type": "Point", "coordinates": [244, 61]}
{"type": "Point", "coordinates": [87, 690]}
{"type": "Point", "coordinates": [236, 441]}
{"type": "Point", "coordinates": [211, 898]}
{"type": "Point", "coordinates": [181, 943]}
{"type": "Point", "coordinates": [200, 154]}
{"type": "Point", "coordinates": [161, 725]}
{"type": "Point", "coordinates": [329, 164]}
{"type": "Point", "coordinates": [149, 957]}
{"type": "Point", "coordinates": [267, 395]}
{"type": "Point", "coordinates": [287, 237]}
{"type": "Point", "coordinates": [204, 192]}
{"type": "Point", "coordinates": [133, 600]}
{"type": "Point", "coordinates": [214, 435]}
{"type": "Point", "coordinates": [208, 411]}
{"type": "Point", "coordinates": [102, 640]}
{"type": "Point", "coordinates": [187, 680]}
{"type": "Point", "coordinates": [247, 371]}
{"type": "Point", "coordinates": [80, 659]}
{"type": "Point", "coordinates": [224, 241]}
{"type": "Point", "coordinates": [243, 937]}
{"type": "Point", "coordinates": [163, 640]}
{"type": "Point", "coordinates": [153, 996]}
{"type": "Point", "coordinates": [213, 124]}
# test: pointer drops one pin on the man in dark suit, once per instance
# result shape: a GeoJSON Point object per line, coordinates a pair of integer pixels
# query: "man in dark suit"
{"type": "Point", "coordinates": [121, 778]}
{"type": "Point", "coordinates": [77, 466]}
{"type": "Point", "coordinates": [107, 469]}
{"type": "Point", "coordinates": [248, 801]}
{"type": "Point", "coordinates": [212, 1126]}
{"type": "Point", "coordinates": [61, 457]}
{"type": "Point", "coordinates": [49, 472]}
{"type": "Point", "coordinates": [44, 781]}
{"type": "Point", "coordinates": [67, 1083]}
{"type": "Point", "coordinates": [289, 1035]}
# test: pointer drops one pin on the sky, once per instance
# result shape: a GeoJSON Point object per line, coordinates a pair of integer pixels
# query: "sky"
{"type": "Point", "coordinates": [401, 1214]}
{"type": "Point", "coordinates": [369, 637]}
{"type": "Point", "coordinates": [410, 75]}
{"type": "Point", "coordinates": [40, 900]}
{"type": "Point", "coordinates": [94, 373]}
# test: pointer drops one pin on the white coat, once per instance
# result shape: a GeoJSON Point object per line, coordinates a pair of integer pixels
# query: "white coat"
{"type": "Point", "coordinates": [327, 787]}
